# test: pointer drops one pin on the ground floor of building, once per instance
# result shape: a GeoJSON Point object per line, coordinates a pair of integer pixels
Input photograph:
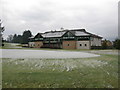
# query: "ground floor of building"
{"type": "Point", "coordinates": [62, 45]}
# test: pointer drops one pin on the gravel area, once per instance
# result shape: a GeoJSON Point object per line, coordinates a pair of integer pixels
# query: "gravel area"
{"type": "Point", "coordinates": [18, 53]}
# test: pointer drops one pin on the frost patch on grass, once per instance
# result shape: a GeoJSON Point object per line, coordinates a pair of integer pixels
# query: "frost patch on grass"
{"type": "Point", "coordinates": [59, 65]}
{"type": "Point", "coordinates": [93, 63]}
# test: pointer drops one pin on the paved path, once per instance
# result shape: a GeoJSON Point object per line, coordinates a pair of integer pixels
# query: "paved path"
{"type": "Point", "coordinates": [20, 53]}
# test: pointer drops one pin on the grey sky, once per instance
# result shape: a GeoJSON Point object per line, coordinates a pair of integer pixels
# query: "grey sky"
{"type": "Point", "coordinates": [96, 16]}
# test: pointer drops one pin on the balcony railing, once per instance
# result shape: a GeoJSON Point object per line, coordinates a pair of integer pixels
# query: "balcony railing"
{"type": "Point", "coordinates": [68, 37]}
{"type": "Point", "coordinates": [38, 38]}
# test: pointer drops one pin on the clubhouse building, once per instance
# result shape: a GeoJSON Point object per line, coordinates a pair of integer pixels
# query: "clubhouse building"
{"type": "Point", "coordinates": [65, 39]}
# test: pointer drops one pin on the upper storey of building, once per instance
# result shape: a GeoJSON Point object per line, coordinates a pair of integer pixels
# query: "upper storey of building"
{"type": "Point", "coordinates": [66, 34]}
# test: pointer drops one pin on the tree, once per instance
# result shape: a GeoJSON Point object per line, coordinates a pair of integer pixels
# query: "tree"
{"type": "Point", "coordinates": [19, 39]}
{"type": "Point", "coordinates": [104, 44]}
{"type": "Point", "coordinates": [14, 38]}
{"type": "Point", "coordinates": [23, 39]}
{"type": "Point", "coordinates": [10, 38]}
{"type": "Point", "coordinates": [116, 44]}
{"type": "Point", "coordinates": [25, 36]}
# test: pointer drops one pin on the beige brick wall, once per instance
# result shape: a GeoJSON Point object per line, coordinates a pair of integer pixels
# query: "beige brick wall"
{"type": "Point", "coordinates": [83, 45]}
{"type": "Point", "coordinates": [69, 45]}
{"type": "Point", "coordinates": [31, 44]}
{"type": "Point", "coordinates": [96, 42]}
{"type": "Point", "coordinates": [38, 44]}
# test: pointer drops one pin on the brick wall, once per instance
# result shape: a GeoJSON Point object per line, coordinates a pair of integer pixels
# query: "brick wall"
{"type": "Point", "coordinates": [38, 44]}
{"type": "Point", "coordinates": [69, 45]}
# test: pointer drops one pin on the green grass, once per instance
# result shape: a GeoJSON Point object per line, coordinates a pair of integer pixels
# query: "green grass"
{"type": "Point", "coordinates": [97, 72]}
{"type": "Point", "coordinates": [0, 74]}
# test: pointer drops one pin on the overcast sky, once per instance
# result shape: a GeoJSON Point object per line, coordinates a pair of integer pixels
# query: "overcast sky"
{"type": "Point", "coordinates": [96, 16]}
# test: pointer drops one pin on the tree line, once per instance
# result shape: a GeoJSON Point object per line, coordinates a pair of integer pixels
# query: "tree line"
{"type": "Point", "coordinates": [107, 44]}
{"type": "Point", "coordinates": [23, 39]}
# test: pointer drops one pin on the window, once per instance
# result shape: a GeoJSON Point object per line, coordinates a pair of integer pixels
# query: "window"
{"type": "Point", "coordinates": [85, 44]}
{"type": "Point", "coordinates": [68, 45]}
{"type": "Point", "coordinates": [80, 44]}
{"type": "Point", "coordinates": [68, 34]}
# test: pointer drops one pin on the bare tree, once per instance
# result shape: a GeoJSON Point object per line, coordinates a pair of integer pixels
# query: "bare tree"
{"type": "Point", "coordinates": [10, 38]}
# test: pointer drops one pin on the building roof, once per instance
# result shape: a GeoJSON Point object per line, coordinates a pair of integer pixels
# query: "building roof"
{"type": "Point", "coordinates": [39, 35]}
{"type": "Point", "coordinates": [76, 32]}
{"type": "Point", "coordinates": [83, 32]}
{"type": "Point", "coordinates": [79, 33]}
{"type": "Point", "coordinates": [53, 34]}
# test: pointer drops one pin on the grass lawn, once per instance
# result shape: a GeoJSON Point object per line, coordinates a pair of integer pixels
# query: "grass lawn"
{"type": "Point", "coordinates": [97, 72]}
{"type": "Point", "coordinates": [0, 73]}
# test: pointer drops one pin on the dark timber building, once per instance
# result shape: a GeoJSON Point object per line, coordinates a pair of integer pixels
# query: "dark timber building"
{"type": "Point", "coordinates": [66, 39]}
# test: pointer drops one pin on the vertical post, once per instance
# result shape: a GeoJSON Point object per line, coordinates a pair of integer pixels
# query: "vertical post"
{"type": "Point", "coordinates": [0, 34]}
{"type": "Point", "coordinates": [0, 56]}
{"type": "Point", "coordinates": [119, 38]}
{"type": "Point", "coordinates": [1, 31]}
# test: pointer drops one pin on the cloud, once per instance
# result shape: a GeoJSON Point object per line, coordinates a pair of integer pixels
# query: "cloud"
{"type": "Point", "coordinates": [97, 16]}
